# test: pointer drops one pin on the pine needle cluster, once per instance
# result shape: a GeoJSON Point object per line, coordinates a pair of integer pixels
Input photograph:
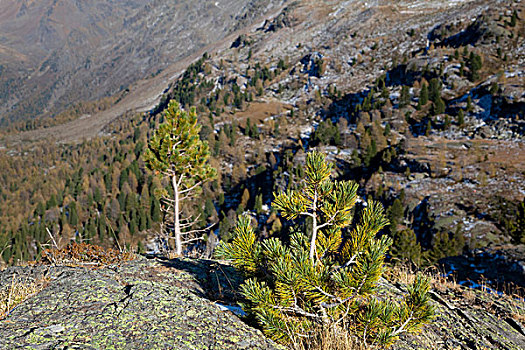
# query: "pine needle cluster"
{"type": "Point", "coordinates": [327, 277]}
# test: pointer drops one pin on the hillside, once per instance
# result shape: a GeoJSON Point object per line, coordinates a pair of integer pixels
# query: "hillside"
{"type": "Point", "coordinates": [55, 54]}
{"type": "Point", "coordinates": [420, 102]}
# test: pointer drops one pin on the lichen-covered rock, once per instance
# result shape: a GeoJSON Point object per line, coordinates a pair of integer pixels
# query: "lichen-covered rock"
{"type": "Point", "coordinates": [143, 304]}
{"type": "Point", "coordinates": [171, 304]}
{"type": "Point", "coordinates": [470, 319]}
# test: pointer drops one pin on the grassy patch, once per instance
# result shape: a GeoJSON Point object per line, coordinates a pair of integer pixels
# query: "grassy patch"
{"type": "Point", "coordinates": [16, 292]}
{"type": "Point", "coordinates": [328, 338]}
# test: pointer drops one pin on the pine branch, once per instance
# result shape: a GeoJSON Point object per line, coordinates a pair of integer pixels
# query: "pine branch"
{"type": "Point", "coordinates": [193, 240]}
{"type": "Point", "coordinates": [297, 310]}
{"type": "Point", "coordinates": [329, 222]}
{"type": "Point", "coordinates": [191, 188]}
{"type": "Point", "coordinates": [180, 181]}
{"type": "Point", "coordinates": [349, 262]}
{"type": "Point", "coordinates": [402, 328]}
{"type": "Point", "coordinates": [314, 230]}
{"type": "Point", "coordinates": [340, 302]}
{"type": "Point", "coordinates": [326, 294]}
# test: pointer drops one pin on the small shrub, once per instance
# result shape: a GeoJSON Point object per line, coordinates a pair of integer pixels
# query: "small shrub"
{"type": "Point", "coordinates": [327, 278]}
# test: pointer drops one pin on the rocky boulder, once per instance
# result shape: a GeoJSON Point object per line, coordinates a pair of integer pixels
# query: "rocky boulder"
{"type": "Point", "coordinates": [143, 304]}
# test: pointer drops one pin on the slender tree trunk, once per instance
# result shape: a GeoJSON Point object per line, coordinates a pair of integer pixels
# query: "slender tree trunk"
{"type": "Point", "coordinates": [314, 230]}
{"type": "Point", "coordinates": [176, 217]}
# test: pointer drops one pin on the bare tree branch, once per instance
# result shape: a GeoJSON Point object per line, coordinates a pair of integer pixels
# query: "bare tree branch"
{"type": "Point", "coordinates": [52, 238]}
{"type": "Point", "coordinates": [199, 230]}
{"type": "Point", "coordinates": [191, 188]}
{"type": "Point", "coordinates": [193, 240]}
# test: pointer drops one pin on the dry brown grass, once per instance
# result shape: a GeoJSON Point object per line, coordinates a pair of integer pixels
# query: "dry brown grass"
{"type": "Point", "coordinates": [332, 338]}
{"type": "Point", "coordinates": [512, 296]}
{"type": "Point", "coordinates": [259, 111]}
{"type": "Point", "coordinates": [406, 275]}
{"type": "Point", "coordinates": [75, 254]}
{"type": "Point", "coordinates": [18, 291]}
{"type": "Point", "coordinates": [517, 311]}
{"type": "Point", "coordinates": [515, 297]}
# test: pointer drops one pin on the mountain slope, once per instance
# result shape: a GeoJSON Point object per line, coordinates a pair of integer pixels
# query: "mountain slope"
{"type": "Point", "coordinates": [57, 52]}
{"type": "Point", "coordinates": [347, 78]}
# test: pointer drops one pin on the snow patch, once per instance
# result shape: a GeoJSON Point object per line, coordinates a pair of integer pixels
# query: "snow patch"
{"type": "Point", "coordinates": [237, 310]}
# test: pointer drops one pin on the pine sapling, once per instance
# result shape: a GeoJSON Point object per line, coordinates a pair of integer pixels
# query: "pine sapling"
{"type": "Point", "coordinates": [326, 277]}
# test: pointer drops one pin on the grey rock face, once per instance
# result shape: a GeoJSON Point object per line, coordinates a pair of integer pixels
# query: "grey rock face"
{"type": "Point", "coordinates": [169, 304]}
{"type": "Point", "coordinates": [140, 305]}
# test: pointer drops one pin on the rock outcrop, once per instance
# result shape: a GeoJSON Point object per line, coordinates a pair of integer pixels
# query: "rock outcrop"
{"type": "Point", "coordinates": [143, 304]}
{"type": "Point", "coordinates": [174, 304]}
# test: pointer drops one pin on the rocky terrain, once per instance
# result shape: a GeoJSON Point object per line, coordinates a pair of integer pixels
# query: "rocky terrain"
{"type": "Point", "coordinates": [142, 304]}
{"type": "Point", "coordinates": [454, 176]}
{"type": "Point", "coordinates": [344, 77]}
{"type": "Point", "coordinates": [183, 304]}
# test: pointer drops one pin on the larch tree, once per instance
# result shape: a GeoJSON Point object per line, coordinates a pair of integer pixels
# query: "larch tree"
{"type": "Point", "coordinates": [328, 277]}
{"type": "Point", "coordinates": [175, 151]}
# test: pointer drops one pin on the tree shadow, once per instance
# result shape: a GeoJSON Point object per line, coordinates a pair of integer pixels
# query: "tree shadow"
{"type": "Point", "coordinates": [209, 279]}
{"type": "Point", "coordinates": [491, 269]}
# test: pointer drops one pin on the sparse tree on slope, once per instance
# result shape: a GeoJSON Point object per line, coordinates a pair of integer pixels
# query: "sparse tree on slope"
{"type": "Point", "coordinates": [326, 278]}
{"type": "Point", "coordinates": [175, 151]}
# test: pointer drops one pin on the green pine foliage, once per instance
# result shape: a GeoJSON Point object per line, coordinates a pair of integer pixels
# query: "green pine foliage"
{"type": "Point", "coordinates": [404, 98]}
{"type": "Point", "coordinates": [423, 96]}
{"type": "Point", "coordinates": [520, 222]}
{"type": "Point", "coordinates": [469, 103]}
{"type": "Point", "coordinates": [461, 118]}
{"type": "Point", "coordinates": [405, 247]}
{"type": "Point", "coordinates": [327, 133]}
{"type": "Point", "coordinates": [513, 19]}
{"type": "Point", "coordinates": [438, 107]}
{"type": "Point", "coordinates": [516, 224]}
{"type": "Point", "coordinates": [326, 277]}
{"type": "Point", "coordinates": [444, 245]}
{"type": "Point", "coordinates": [475, 64]}
{"type": "Point", "coordinates": [434, 90]}
{"type": "Point", "coordinates": [446, 123]}
{"type": "Point", "coordinates": [175, 151]}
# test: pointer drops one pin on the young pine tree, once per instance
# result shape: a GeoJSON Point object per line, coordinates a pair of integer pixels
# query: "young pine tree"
{"type": "Point", "coordinates": [423, 95]}
{"type": "Point", "coordinates": [326, 278]}
{"type": "Point", "coordinates": [434, 90]}
{"type": "Point", "coordinates": [404, 98]}
{"type": "Point", "coordinates": [176, 151]}
{"type": "Point", "coordinates": [461, 118]}
{"type": "Point", "coordinates": [513, 19]}
{"type": "Point", "coordinates": [405, 247]}
{"type": "Point", "coordinates": [438, 107]}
